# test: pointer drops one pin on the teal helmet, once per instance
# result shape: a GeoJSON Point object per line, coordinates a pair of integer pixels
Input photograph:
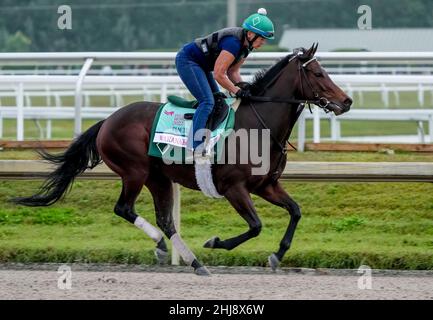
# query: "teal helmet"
{"type": "Point", "coordinates": [260, 24]}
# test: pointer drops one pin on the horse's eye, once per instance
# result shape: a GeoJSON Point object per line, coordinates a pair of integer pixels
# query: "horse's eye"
{"type": "Point", "coordinates": [318, 74]}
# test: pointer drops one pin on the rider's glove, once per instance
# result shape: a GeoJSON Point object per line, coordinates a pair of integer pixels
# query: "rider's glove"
{"type": "Point", "coordinates": [243, 85]}
{"type": "Point", "coordinates": [243, 94]}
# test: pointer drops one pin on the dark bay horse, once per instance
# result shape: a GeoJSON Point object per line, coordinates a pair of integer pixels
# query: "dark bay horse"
{"type": "Point", "coordinates": [122, 142]}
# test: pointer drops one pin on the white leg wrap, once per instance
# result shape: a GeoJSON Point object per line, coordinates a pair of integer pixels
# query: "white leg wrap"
{"type": "Point", "coordinates": [150, 230]}
{"type": "Point", "coordinates": [183, 250]}
{"type": "Point", "coordinates": [203, 176]}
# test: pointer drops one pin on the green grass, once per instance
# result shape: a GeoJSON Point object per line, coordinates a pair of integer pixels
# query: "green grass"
{"type": "Point", "coordinates": [344, 225]}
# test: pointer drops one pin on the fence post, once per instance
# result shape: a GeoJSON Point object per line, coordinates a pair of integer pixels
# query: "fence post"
{"type": "Point", "coordinates": [48, 125]}
{"type": "Point", "coordinates": [176, 219]}
{"type": "Point", "coordinates": [420, 95]}
{"type": "Point", "coordinates": [79, 95]}
{"type": "Point", "coordinates": [301, 132]}
{"type": "Point", "coordinates": [335, 128]}
{"type": "Point", "coordinates": [20, 112]}
{"type": "Point", "coordinates": [421, 133]}
{"type": "Point", "coordinates": [316, 124]}
{"type": "Point", "coordinates": [163, 93]}
{"type": "Point", "coordinates": [385, 96]}
{"type": "Point", "coordinates": [430, 127]}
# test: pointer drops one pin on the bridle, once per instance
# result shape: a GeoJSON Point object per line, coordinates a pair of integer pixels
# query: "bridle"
{"type": "Point", "coordinates": [321, 102]}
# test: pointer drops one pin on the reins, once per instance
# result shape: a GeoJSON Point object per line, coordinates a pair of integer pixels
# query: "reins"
{"type": "Point", "coordinates": [282, 146]}
{"type": "Point", "coordinates": [321, 102]}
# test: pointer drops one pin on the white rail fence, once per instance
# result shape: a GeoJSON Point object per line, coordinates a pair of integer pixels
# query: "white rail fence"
{"type": "Point", "coordinates": [82, 87]}
{"type": "Point", "coordinates": [418, 115]}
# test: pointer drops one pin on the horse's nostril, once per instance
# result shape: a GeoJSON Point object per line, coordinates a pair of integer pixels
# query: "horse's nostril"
{"type": "Point", "coordinates": [348, 102]}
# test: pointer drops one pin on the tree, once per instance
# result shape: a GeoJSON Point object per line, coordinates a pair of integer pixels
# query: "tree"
{"type": "Point", "coordinates": [17, 42]}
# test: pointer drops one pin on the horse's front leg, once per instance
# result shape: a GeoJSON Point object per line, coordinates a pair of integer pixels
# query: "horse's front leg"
{"type": "Point", "coordinates": [275, 194]}
{"type": "Point", "coordinates": [240, 199]}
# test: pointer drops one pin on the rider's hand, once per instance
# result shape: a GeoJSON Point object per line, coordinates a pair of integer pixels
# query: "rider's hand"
{"type": "Point", "coordinates": [243, 85]}
{"type": "Point", "coordinates": [243, 94]}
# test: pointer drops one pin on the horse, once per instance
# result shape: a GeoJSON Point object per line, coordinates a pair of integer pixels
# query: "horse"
{"type": "Point", "coordinates": [121, 141]}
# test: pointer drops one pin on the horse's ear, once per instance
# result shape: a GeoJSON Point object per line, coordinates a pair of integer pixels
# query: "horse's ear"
{"type": "Point", "coordinates": [312, 51]}
{"type": "Point", "coordinates": [309, 51]}
{"type": "Point", "coordinates": [315, 49]}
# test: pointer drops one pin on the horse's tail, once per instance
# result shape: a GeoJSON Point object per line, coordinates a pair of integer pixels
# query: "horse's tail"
{"type": "Point", "coordinates": [80, 155]}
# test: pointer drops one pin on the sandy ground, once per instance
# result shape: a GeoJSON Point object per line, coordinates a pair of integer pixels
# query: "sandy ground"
{"type": "Point", "coordinates": [41, 281]}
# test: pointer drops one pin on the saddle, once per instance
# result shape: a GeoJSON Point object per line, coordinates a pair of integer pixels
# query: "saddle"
{"type": "Point", "coordinates": [218, 114]}
{"type": "Point", "coordinates": [170, 129]}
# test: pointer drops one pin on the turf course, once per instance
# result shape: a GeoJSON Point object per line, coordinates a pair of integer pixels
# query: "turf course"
{"type": "Point", "coordinates": [344, 225]}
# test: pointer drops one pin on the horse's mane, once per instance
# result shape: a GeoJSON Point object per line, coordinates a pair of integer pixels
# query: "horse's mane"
{"type": "Point", "coordinates": [262, 77]}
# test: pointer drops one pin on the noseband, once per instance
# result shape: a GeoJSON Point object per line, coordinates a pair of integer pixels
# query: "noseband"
{"type": "Point", "coordinates": [321, 102]}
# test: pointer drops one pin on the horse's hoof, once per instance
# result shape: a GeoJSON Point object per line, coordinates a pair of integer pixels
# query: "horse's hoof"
{"type": "Point", "coordinates": [202, 271]}
{"type": "Point", "coordinates": [211, 242]}
{"type": "Point", "coordinates": [162, 256]}
{"type": "Point", "coordinates": [274, 262]}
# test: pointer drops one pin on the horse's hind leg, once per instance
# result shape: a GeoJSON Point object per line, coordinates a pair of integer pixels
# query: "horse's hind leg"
{"type": "Point", "coordinates": [125, 209]}
{"type": "Point", "coordinates": [161, 189]}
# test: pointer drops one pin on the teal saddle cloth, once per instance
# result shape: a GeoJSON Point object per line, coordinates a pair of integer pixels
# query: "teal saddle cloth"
{"type": "Point", "coordinates": [171, 126]}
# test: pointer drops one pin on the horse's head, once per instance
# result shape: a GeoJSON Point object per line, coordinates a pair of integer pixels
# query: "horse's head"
{"type": "Point", "coordinates": [316, 85]}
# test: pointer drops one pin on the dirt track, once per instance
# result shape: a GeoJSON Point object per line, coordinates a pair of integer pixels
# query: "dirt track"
{"type": "Point", "coordinates": [139, 282]}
